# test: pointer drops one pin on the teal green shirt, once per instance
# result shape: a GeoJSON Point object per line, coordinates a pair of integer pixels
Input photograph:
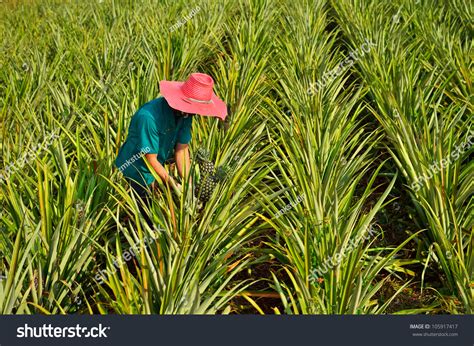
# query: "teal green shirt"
{"type": "Point", "coordinates": [154, 129]}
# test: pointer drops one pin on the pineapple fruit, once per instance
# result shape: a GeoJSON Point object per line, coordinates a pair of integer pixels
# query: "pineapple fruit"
{"type": "Point", "coordinates": [210, 176]}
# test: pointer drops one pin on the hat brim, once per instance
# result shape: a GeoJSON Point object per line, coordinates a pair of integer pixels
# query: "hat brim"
{"type": "Point", "coordinates": [171, 91]}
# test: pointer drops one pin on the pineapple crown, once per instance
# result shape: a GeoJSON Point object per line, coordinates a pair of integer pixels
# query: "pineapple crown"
{"type": "Point", "coordinates": [202, 154]}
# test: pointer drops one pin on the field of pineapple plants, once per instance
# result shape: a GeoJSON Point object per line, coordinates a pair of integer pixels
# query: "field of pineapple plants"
{"type": "Point", "coordinates": [346, 174]}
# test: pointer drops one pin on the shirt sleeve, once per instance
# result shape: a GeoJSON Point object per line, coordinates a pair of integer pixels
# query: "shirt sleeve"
{"type": "Point", "coordinates": [148, 137]}
{"type": "Point", "coordinates": [184, 134]}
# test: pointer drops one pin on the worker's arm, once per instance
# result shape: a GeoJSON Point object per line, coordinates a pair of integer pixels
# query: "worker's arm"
{"type": "Point", "coordinates": [160, 170]}
{"type": "Point", "coordinates": [183, 161]}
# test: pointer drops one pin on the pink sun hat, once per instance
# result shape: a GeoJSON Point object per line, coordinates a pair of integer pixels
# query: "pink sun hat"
{"type": "Point", "coordinates": [194, 96]}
